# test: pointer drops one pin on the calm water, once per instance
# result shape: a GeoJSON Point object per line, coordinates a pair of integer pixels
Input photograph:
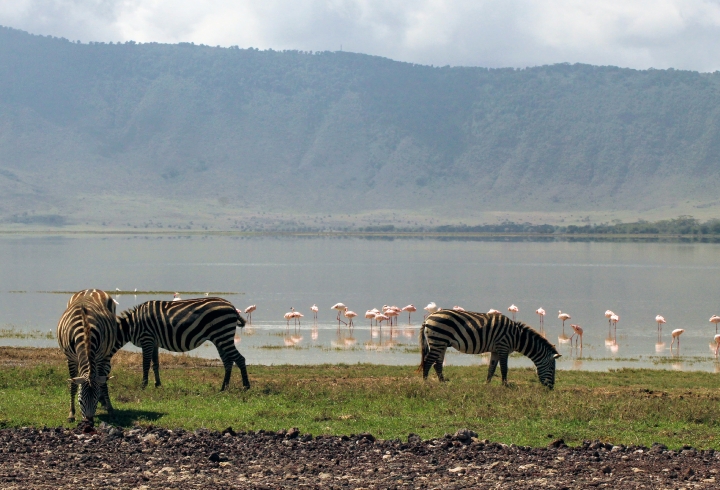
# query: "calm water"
{"type": "Point", "coordinates": [636, 280]}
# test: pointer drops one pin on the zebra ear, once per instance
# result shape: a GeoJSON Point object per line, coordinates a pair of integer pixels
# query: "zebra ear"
{"type": "Point", "coordinates": [557, 355]}
{"type": "Point", "coordinates": [78, 381]}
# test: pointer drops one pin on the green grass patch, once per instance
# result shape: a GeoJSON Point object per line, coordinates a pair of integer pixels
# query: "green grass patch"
{"type": "Point", "coordinates": [626, 406]}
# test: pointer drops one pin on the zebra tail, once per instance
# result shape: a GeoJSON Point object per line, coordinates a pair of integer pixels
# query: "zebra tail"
{"type": "Point", "coordinates": [424, 348]}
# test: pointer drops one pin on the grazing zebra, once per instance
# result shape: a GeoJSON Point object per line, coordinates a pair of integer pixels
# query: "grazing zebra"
{"type": "Point", "coordinates": [181, 326]}
{"type": "Point", "coordinates": [86, 334]}
{"type": "Point", "coordinates": [474, 333]}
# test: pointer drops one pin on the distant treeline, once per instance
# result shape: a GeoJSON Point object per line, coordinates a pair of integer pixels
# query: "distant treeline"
{"type": "Point", "coordinates": [682, 225]}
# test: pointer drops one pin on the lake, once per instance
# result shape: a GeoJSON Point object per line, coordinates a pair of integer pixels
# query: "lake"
{"type": "Point", "coordinates": [637, 280]}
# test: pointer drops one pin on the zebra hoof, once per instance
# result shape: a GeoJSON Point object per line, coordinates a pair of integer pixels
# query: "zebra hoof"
{"type": "Point", "coordinates": [158, 384]}
{"type": "Point", "coordinates": [71, 419]}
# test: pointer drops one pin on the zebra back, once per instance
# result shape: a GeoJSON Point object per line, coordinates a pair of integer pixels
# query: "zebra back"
{"type": "Point", "coordinates": [98, 295]}
{"type": "Point", "coordinates": [181, 326]}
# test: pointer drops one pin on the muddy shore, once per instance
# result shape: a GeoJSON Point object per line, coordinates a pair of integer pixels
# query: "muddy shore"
{"type": "Point", "coordinates": [146, 457]}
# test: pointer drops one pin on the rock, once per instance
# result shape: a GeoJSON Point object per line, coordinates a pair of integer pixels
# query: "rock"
{"type": "Point", "coordinates": [230, 431]}
{"type": "Point", "coordinates": [606, 470]}
{"type": "Point", "coordinates": [464, 435]}
{"type": "Point", "coordinates": [292, 433]}
{"type": "Point", "coordinates": [557, 443]}
{"type": "Point", "coordinates": [414, 438]}
{"type": "Point", "coordinates": [214, 457]}
{"type": "Point", "coordinates": [366, 435]}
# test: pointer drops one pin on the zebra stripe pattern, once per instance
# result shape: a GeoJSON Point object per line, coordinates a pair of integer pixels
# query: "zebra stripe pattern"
{"type": "Point", "coordinates": [475, 333]}
{"type": "Point", "coordinates": [97, 295]}
{"type": "Point", "coordinates": [86, 334]}
{"type": "Point", "coordinates": [181, 326]}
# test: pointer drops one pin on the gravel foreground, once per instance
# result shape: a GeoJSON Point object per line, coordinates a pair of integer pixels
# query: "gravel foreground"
{"type": "Point", "coordinates": [147, 457]}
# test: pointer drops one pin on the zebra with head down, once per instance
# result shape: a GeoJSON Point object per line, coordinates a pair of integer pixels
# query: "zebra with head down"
{"type": "Point", "coordinates": [475, 333]}
{"type": "Point", "coordinates": [87, 333]}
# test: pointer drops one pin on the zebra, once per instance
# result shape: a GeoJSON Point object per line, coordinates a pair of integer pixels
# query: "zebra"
{"type": "Point", "coordinates": [97, 295]}
{"type": "Point", "coordinates": [87, 333]}
{"type": "Point", "coordinates": [474, 333]}
{"type": "Point", "coordinates": [181, 326]}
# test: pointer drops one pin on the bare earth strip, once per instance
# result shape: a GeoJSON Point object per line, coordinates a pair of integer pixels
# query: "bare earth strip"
{"type": "Point", "coordinates": [159, 458]}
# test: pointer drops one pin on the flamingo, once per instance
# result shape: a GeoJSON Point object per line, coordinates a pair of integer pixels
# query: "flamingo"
{"type": "Point", "coordinates": [459, 308]}
{"type": "Point", "coordinates": [289, 315]}
{"type": "Point", "coordinates": [563, 316]}
{"type": "Point", "coordinates": [541, 313]}
{"type": "Point", "coordinates": [431, 308]}
{"type": "Point", "coordinates": [493, 311]}
{"type": "Point", "coordinates": [608, 314]}
{"type": "Point", "coordinates": [349, 315]}
{"type": "Point", "coordinates": [715, 319]}
{"type": "Point", "coordinates": [297, 316]}
{"type": "Point", "coordinates": [513, 309]}
{"type": "Point", "coordinates": [379, 317]}
{"type": "Point", "coordinates": [660, 320]}
{"type": "Point", "coordinates": [717, 344]}
{"type": "Point", "coordinates": [248, 312]}
{"type": "Point", "coordinates": [615, 318]}
{"type": "Point", "coordinates": [579, 332]}
{"type": "Point", "coordinates": [176, 297]}
{"type": "Point", "coordinates": [391, 313]}
{"type": "Point", "coordinates": [409, 308]}
{"type": "Point", "coordinates": [371, 315]}
{"type": "Point", "coordinates": [676, 335]}
{"type": "Point", "coordinates": [340, 308]}
{"type": "Point", "coordinates": [314, 309]}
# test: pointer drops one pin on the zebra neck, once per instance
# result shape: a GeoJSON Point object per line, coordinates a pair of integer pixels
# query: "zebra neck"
{"type": "Point", "coordinates": [126, 328]}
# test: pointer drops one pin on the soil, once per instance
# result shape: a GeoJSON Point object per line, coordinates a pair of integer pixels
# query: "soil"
{"type": "Point", "coordinates": [147, 457]}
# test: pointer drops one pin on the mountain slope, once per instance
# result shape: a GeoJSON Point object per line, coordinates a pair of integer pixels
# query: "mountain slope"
{"type": "Point", "coordinates": [344, 132]}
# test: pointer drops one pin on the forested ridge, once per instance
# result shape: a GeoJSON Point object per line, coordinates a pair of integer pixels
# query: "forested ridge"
{"type": "Point", "coordinates": [346, 132]}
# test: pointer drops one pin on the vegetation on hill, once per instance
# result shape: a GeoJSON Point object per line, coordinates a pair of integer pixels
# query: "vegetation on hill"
{"type": "Point", "coordinates": [344, 132]}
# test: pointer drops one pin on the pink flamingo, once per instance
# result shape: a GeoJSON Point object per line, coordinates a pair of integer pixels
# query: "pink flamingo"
{"type": "Point", "coordinates": [350, 315]}
{"type": "Point", "coordinates": [176, 297]}
{"type": "Point", "coordinates": [660, 320]}
{"type": "Point", "coordinates": [379, 318]}
{"type": "Point", "coordinates": [615, 318]}
{"type": "Point", "coordinates": [409, 308]}
{"type": "Point", "coordinates": [493, 311]}
{"type": "Point", "coordinates": [371, 315]}
{"type": "Point", "coordinates": [563, 316]}
{"type": "Point", "coordinates": [248, 312]}
{"type": "Point", "coordinates": [715, 319]}
{"type": "Point", "coordinates": [297, 316]}
{"type": "Point", "coordinates": [289, 315]}
{"type": "Point", "coordinates": [541, 313]}
{"type": "Point", "coordinates": [340, 308]}
{"type": "Point", "coordinates": [392, 313]}
{"type": "Point", "coordinates": [513, 309]}
{"type": "Point", "coordinates": [459, 308]}
{"type": "Point", "coordinates": [314, 309]}
{"type": "Point", "coordinates": [717, 344]}
{"type": "Point", "coordinates": [579, 332]}
{"type": "Point", "coordinates": [676, 335]}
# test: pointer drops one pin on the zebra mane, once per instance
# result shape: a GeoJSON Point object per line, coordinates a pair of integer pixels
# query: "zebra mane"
{"type": "Point", "coordinates": [531, 331]}
{"type": "Point", "coordinates": [88, 340]}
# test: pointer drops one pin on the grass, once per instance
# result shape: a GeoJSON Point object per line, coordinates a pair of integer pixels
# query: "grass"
{"type": "Point", "coordinates": [626, 406]}
{"type": "Point", "coordinates": [12, 332]}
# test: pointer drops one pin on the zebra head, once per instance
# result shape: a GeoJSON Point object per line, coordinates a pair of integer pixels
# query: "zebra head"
{"type": "Point", "coordinates": [89, 394]}
{"type": "Point", "coordinates": [546, 370]}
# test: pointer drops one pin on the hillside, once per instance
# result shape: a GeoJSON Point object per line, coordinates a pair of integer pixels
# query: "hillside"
{"type": "Point", "coordinates": [131, 132]}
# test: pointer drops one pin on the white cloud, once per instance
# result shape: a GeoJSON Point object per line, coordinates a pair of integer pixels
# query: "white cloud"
{"type": "Point", "coordinates": [635, 33]}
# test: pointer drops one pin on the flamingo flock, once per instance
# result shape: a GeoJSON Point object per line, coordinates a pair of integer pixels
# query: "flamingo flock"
{"type": "Point", "coordinates": [389, 315]}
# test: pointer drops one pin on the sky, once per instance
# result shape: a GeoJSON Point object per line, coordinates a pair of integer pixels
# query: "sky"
{"type": "Point", "coordinates": [681, 34]}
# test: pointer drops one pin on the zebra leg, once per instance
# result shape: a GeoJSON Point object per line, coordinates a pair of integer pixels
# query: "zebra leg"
{"type": "Point", "coordinates": [148, 347]}
{"type": "Point", "coordinates": [504, 368]}
{"type": "Point", "coordinates": [104, 370]}
{"type": "Point", "coordinates": [494, 358]}
{"type": "Point", "coordinates": [156, 366]}
{"type": "Point", "coordinates": [438, 365]}
{"type": "Point", "coordinates": [72, 367]}
{"type": "Point", "coordinates": [240, 361]}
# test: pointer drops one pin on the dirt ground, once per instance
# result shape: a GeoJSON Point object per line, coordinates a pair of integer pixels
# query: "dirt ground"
{"type": "Point", "coordinates": [110, 457]}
